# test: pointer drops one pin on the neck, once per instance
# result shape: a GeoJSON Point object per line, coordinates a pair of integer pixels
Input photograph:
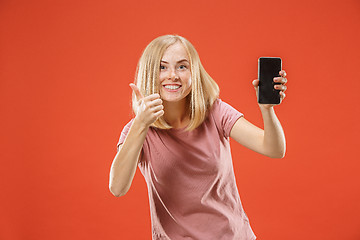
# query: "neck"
{"type": "Point", "coordinates": [177, 114]}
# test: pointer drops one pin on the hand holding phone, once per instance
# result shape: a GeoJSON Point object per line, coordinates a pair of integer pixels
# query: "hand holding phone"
{"type": "Point", "coordinates": [268, 68]}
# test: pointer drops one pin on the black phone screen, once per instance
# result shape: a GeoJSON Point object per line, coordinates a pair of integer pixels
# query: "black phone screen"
{"type": "Point", "coordinates": [269, 67]}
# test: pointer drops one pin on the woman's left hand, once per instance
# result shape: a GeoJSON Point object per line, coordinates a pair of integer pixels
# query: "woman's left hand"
{"type": "Point", "coordinates": [282, 80]}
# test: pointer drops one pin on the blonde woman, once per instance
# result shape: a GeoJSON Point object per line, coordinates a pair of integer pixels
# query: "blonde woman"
{"type": "Point", "coordinates": [179, 139]}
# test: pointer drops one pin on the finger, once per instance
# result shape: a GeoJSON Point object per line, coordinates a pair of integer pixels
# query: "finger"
{"type": "Point", "coordinates": [152, 97]}
{"type": "Point", "coordinates": [136, 91]}
{"type": "Point", "coordinates": [156, 102]}
{"type": "Point", "coordinates": [255, 83]}
{"type": "Point", "coordinates": [282, 94]}
{"type": "Point", "coordinates": [159, 113]}
{"type": "Point", "coordinates": [153, 103]}
{"type": "Point", "coordinates": [280, 87]}
{"type": "Point", "coordinates": [282, 73]}
{"type": "Point", "coordinates": [280, 80]}
{"type": "Point", "coordinates": [158, 108]}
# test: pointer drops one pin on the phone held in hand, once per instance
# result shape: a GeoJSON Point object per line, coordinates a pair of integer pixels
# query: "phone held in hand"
{"type": "Point", "coordinates": [269, 67]}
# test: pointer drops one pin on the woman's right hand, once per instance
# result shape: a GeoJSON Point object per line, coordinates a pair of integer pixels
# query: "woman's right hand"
{"type": "Point", "coordinates": [149, 109]}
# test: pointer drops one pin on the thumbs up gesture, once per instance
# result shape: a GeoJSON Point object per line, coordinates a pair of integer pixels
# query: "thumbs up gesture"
{"type": "Point", "coordinates": [149, 109]}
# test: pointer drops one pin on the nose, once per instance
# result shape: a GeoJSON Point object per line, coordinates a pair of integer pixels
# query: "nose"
{"type": "Point", "coordinates": [172, 74]}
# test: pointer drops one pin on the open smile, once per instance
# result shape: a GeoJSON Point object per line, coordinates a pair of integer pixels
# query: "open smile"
{"type": "Point", "coordinates": [172, 87]}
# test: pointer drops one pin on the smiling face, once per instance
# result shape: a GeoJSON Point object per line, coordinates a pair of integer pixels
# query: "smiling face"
{"type": "Point", "coordinates": [175, 74]}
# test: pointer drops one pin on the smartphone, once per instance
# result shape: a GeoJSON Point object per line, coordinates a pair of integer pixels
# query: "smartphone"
{"type": "Point", "coordinates": [268, 68]}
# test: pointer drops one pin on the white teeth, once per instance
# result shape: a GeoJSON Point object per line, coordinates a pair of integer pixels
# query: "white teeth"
{"type": "Point", "coordinates": [172, 87]}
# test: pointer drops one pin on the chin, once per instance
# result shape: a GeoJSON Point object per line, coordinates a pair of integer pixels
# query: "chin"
{"type": "Point", "coordinates": [169, 98]}
{"type": "Point", "coordinates": [172, 99]}
{"type": "Point", "coordinates": [173, 96]}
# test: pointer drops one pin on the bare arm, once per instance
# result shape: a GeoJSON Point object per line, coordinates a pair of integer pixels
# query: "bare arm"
{"type": "Point", "coordinates": [270, 141]}
{"type": "Point", "coordinates": [123, 167]}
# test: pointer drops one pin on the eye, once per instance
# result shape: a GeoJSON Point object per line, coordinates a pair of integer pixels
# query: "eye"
{"type": "Point", "coordinates": [162, 67]}
{"type": "Point", "coordinates": [182, 67]}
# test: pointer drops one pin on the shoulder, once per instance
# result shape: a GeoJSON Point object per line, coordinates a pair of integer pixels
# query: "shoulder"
{"type": "Point", "coordinates": [127, 126]}
{"type": "Point", "coordinates": [124, 132]}
{"type": "Point", "coordinates": [224, 116]}
{"type": "Point", "coordinates": [219, 107]}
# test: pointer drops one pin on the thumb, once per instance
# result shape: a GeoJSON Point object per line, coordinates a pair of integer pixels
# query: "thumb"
{"type": "Point", "coordinates": [256, 86]}
{"type": "Point", "coordinates": [136, 91]}
{"type": "Point", "coordinates": [255, 83]}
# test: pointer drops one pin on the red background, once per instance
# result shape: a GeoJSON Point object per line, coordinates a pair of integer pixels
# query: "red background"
{"type": "Point", "coordinates": [65, 67]}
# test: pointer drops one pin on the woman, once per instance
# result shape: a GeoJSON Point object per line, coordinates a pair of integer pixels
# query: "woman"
{"type": "Point", "coordinates": [179, 139]}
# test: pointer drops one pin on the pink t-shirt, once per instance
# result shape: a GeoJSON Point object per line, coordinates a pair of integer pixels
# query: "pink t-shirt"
{"type": "Point", "coordinates": [190, 179]}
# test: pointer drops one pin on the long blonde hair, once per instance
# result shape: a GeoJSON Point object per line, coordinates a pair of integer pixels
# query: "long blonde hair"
{"type": "Point", "coordinates": [204, 90]}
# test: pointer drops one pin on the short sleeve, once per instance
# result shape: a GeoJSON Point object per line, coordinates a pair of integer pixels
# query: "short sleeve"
{"type": "Point", "coordinates": [225, 116]}
{"type": "Point", "coordinates": [124, 133]}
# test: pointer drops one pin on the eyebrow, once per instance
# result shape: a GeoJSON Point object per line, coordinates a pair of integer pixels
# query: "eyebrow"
{"type": "Point", "coordinates": [182, 60]}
